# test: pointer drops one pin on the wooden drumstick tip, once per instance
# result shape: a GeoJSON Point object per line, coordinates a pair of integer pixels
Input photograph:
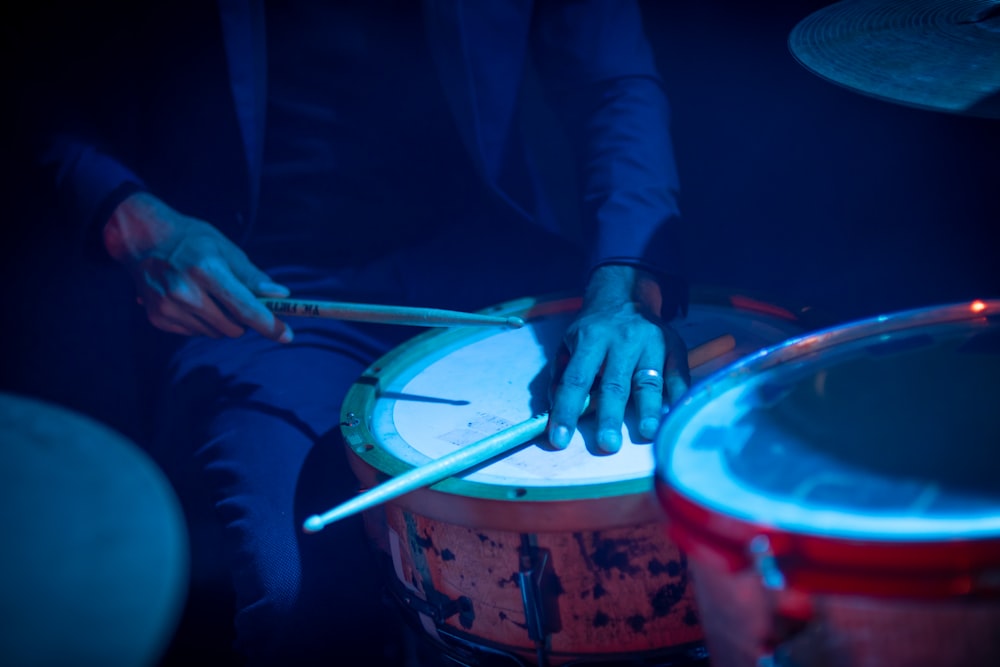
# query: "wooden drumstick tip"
{"type": "Point", "coordinates": [313, 524]}
{"type": "Point", "coordinates": [515, 322]}
{"type": "Point", "coordinates": [711, 350]}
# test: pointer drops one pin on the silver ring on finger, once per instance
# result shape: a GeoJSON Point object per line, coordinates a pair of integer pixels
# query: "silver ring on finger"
{"type": "Point", "coordinates": [645, 374]}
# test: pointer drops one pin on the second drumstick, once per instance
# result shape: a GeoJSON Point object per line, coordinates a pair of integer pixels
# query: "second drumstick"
{"type": "Point", "coordinates": [380, 314]}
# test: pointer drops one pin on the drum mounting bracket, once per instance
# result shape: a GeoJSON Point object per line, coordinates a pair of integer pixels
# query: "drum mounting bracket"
{"type": "Point", "coordinates": [439, 610]}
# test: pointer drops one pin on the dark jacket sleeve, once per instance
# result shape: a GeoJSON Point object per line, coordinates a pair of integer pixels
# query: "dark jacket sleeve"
{"type": "Point", "coordinates": [598, 70]}
{"type": "Point", "coordinates": [89, 182]}
{"type": "Point", "coordinates": [77, 98]}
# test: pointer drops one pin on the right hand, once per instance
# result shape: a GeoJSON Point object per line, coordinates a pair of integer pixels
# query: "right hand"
{"type": "Point", "coordinates": [190, 278]}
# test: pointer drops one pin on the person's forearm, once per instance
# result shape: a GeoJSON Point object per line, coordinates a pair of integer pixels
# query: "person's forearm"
{"type": "Point", "coordinates": [85, 177]}
{"type": "Point", "coordinates": [620, 283]}
{"type": "Point", "coordinates": [629, 188]}
{"type": "Point", "coordinates": [628, 178]}
{"type": "Point", "coordinates": [88, 184]}
{"type": "Point", "coordinates": [601, 77]}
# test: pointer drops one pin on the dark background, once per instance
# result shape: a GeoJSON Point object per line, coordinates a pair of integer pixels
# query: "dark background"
{"type": "Point", "coordinates": [791, 186]}
{"type": "Point", "coordinates": [812, 192]}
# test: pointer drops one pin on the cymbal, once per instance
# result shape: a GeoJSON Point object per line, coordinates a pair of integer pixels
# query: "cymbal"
{"type": "Point", "coordinates": [95, 560]}
{"type": "Point", "coordinates": [942, 55]}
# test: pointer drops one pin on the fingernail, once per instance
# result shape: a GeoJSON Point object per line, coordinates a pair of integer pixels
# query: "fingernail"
{"type": "Point", "coordinates": [560, 437]}
{"type": "Point", "coordinates": [273, 289]}
{"type": "Point", "coordinates": [286, 336]}
{"type": "Point", "coordinates": [648, 426]}
{"type": "Point", "coordinates": [609, 440]}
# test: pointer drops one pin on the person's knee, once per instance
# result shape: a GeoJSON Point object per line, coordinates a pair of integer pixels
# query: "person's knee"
{"type": "Point", "coordinates": [268, 600]}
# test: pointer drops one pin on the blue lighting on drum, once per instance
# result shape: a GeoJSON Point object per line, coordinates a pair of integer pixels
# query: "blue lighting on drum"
{"type": "Point", "coordinates": [892, 344]}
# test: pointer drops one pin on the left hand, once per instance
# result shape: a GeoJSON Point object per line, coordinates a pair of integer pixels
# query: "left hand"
{"type": "Point", "coordinates": [617, 334]}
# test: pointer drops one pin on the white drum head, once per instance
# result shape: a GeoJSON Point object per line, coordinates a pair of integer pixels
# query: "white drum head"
{"type": "Point", "coordinates": [451, 389]}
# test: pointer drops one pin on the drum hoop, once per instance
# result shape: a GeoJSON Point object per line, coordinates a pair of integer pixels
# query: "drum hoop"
{"type": "Point", "coordinates": [373, 464]}
{"type": "Point", "coordinates": [823, 562]}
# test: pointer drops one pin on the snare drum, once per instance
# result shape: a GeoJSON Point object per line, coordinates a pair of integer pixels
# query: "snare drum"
{"type": "Point", "coordinates": [540, 555]}
{"type": "Point", "coordinates": [838, 495]}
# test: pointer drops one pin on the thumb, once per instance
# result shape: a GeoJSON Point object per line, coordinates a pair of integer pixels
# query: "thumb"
{"type": "Point", "coordinates": [266, 287]}
{"type": "Point", "coordinates": [256, 280]}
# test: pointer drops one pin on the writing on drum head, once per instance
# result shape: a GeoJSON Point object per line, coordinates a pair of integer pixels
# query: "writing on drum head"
{"type": "Point", "coordinates": [482, 426]}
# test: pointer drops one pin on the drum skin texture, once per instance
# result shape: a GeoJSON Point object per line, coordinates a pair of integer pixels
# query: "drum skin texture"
{"type": "Point", "coordinates": [837, 497]}
{"type": "Point", "coordinates": [561, 553]}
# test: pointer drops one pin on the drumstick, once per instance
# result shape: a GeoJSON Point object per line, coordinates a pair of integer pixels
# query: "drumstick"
{"type": "Point", "coordinates": [478, 452]}
{"type": "Point", "coordinates": [713, 349]}
{"type": "Point", "coordinates": [404, 315]}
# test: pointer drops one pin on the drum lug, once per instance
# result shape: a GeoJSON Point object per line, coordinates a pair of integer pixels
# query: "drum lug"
{"type": "Point", "coordinates": [778, 658]}
{"type": "Point", "coordinates": [790, 611]}
{"type": "Point", "coordinates": [533, 564]}
{"type": "Point", "coordinates": [766, 564]}
{"type": "Point", "coordinates": [540, 616]}
{"type": "Point", "coordinates": [438, 611]}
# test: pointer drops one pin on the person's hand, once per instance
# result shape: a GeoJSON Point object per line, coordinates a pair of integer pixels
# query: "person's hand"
{"type": "Point", "coordinates": [618, 348]}
{"type": "Point", "coordinates": [189, 276]}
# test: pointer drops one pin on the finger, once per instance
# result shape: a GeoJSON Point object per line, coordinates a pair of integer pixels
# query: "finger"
{"type": "Point", "coordinates": [195, 302]}
{"type": "Point", "coordinates": [677, 375]}
{"type": "Point", "coordinates": [571, 393]}
{"type": "Point", "coordinates": [174, 320]}
{"type": "Point", "coordinates": [213, 315]}
{"type": "Point", "coordinates": [256, 280]}
{"type": "Point", "coordinates": [612, 397]}
{"type": "Point", "coordinates": [169, 311]}
{"type": "Point", "coordinates": [173, 302]}
{"type": "Point", "coordinates": [170, 327]}
{"type": "Point", "coordinates": [556, 369]}
{"type": "Point", "coordinates": [647, 389]}
{"type": "Point", "coordinates": [244, 307]}
{"type": "Point", "coordinates": [269, 288]}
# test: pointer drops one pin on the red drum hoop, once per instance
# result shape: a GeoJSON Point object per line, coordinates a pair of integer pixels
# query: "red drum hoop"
{"type": "Point", "coordinates": [818, 564]}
